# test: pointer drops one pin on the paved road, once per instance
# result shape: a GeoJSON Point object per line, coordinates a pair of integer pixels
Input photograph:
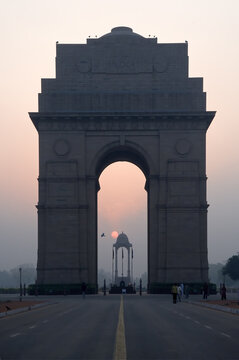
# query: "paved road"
{"type": "Point", "coordinates": [157, 329]}
{"type": "Point", "coordinates": [147, 327]}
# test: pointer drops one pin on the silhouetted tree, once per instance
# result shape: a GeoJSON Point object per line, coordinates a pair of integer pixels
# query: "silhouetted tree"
{"type": "Point", "coordinates": [28, 274]}
{"type": "Point", "coordinates": [232, 267]}
{"type": "Point", "coordinates": [11, 278]}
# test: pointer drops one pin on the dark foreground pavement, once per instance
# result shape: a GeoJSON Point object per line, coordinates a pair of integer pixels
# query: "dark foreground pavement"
{"type": "Point", "coordinates": [147, 327]}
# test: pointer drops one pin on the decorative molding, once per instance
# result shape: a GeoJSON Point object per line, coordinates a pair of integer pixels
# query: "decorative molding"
{"type": "Point", "coordinates": [121, 122]}
{"type": "Point", "coordinates": [176, 208]}
{"type": "Point", "coordinates": [62, 207]}
{"type": "Point", "coordinates": [183, 146]}
{"type": "Point", "coordinates": [60, 179]}
{"type": "Point", "coordinates": [61, 147]}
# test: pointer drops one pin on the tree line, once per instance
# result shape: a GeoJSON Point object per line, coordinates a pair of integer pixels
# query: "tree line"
{"type": "Point", "coordinates": [218, 273]}
{"type": "Point", "coordinates": [11, 278]}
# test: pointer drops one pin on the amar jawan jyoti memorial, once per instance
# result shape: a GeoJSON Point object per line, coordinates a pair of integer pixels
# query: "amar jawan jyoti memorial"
{"type": "Point", "coordinates": [122, 97]}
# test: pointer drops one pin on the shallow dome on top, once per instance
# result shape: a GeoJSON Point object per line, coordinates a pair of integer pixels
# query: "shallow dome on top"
{"type": "Point", "coordinates": [121, 31]}
{"type": "Point", "coordinates": [122, 240]}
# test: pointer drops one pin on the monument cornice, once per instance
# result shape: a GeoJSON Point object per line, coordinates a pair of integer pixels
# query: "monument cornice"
{"type": "Point", "coordinates": [97, 121]}
{"type": "Point", "coordinates": [177, 208]}
{"type": "Point", "coordinates": [62, 207]}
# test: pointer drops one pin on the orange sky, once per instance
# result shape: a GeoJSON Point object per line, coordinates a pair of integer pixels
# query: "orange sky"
{"type": "Point", "coordinates": [122, 206]}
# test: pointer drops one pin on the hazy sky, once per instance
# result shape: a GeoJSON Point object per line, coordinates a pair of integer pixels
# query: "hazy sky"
{"type": "Point", "coordinates": [29, 30]}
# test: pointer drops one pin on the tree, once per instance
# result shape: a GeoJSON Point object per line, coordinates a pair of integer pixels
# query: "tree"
{"type": "Point", "coordinates": [232, 267]}
{"type": "Point", "coordinates": [28, 274]}
{"type": "Point", "coordinates": [215, 273]}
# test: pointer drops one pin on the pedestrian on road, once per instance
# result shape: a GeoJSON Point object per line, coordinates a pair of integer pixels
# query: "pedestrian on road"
{"type": "Point", "coordinates": [174, 292]}
{"type": "Point", "coordinates": [182, 288]}
{"type": "Point", "coordinates": [83, 289]}
{"type": "Point", "coordinates": [205, 291]}
{"type": "Point", "coordinates": [187, 290]}
{"type": "Point", "coordinates": [179, 289]}
{"type": "Point", "coordinates": [223, 292]}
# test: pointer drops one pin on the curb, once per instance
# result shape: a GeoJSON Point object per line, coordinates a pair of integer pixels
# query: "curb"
{"type": "Point", "coordinates": [24, 309]}
{"type": "Point", "coordinates": [215, 307]}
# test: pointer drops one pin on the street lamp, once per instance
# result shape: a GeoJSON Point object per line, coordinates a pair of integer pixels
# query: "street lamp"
{"type": "Point", "coordinates": [20, 272]}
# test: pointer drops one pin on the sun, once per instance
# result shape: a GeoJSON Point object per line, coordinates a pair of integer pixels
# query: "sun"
{"type": "Point", "coordinates": [114, 234]}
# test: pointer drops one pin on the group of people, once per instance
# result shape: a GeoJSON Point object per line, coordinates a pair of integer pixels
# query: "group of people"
{"type": "Point", "coordinates": [178, 292]}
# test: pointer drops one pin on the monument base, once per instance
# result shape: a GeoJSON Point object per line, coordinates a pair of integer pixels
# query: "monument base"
{"type": "Point", "coordinates": [60, 289]}
{"type": "Point", "coordinates": [194, 288]}
{"type": "Point", "coordinates": [119, 290]}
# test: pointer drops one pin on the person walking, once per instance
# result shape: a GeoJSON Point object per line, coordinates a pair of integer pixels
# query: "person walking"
{"type": "Point", "coordinates": [187, 290]}
{"type": "Point", "coordinates": [182, 289]}
{"type": "Point", "coordinates": [223, 292]}
{"type": "Point", "coordinates": [179, 290]}
{"type": "Point", "coordinates": [205, 291]}
{"type": "Point", "coordinates": [174, 292]}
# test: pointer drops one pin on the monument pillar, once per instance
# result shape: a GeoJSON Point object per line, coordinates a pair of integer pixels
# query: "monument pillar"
{"type": "Point", "coordinates": [128, 272]}
{"type": "Point", "coordinates": [116, 264]}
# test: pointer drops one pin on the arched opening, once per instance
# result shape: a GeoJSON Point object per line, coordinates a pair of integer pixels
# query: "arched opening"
{"type": "Point", "coordinates": [122, 207]}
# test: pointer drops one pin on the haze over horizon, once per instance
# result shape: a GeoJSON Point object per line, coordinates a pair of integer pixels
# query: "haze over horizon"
{"type": "Point", "coordinates": [29, 31]}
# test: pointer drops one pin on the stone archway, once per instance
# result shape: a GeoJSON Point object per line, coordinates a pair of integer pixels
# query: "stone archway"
{"type": "Point", "coordinates": [130, 155]}
{"type": "Point", "coordinates": [122, 97]}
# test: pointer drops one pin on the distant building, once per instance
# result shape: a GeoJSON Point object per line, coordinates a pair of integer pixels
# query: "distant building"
{"type": "Point", "coordinates": [121, 243]}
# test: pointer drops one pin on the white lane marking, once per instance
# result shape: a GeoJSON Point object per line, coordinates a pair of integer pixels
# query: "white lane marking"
{"type": "Point", "coordinates": [65, 312]}
{"type": "Point", "coordinates": [32, 327]}
{"type": "Point", "coordinates": [14, 335]}
{"type": "Point", "coordinates": [196, 322]}
{"type": "Point", "coordinates": [44, 322]}
{"type": "Point", "coordinates": [228, 336]}
{"type": "Point", "coordinates": [187, 317]}
{"type": "Point", "coordinates": [208, 327]}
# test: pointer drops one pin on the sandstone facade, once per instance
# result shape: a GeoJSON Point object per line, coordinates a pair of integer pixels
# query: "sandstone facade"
{"type": "Point", "coordinates": [122, 97]}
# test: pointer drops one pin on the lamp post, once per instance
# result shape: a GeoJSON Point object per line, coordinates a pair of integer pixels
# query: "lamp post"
{"type": "Point", "coordinates": [20, 272]}
{"type": "Point", "coordinates": [104, 287]}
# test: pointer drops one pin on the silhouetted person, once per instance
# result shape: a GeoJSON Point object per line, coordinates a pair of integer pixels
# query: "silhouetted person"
{"type": "Point", "coordinates": [205, 291]}
{"type": "Point", "coordinates": [174, 292]}
{"type": "Point", "coordinates": [182, 288]}
{"type": "Point", "coordinates": [179, 289]}
{"type": "Point", "coordinates": [83, 289]}
{"type": "Point", "coordinates": [223, 292]}
{"type": "Point", "coordinates": [187, 290]}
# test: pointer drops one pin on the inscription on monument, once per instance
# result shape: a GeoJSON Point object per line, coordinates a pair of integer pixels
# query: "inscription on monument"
{"type": "Point", "coordinates": [122, 64]}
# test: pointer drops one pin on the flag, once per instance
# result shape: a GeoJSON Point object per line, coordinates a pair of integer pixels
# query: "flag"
{"type": "Point", "coordinates": [132, 253]}
{"type": "Point", "coordinates": [122, 253]}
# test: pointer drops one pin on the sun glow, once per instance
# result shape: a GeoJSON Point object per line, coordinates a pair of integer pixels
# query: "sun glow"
{"type": "Point", "coordinates": [114, 234]}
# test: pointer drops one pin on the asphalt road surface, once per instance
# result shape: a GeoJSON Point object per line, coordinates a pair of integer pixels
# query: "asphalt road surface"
{"type": "Point", "coordinates": [120, 327]}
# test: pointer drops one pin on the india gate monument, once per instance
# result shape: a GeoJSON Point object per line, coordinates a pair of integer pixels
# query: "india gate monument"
{"type": "Point", "coordinates": [122, 97]}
